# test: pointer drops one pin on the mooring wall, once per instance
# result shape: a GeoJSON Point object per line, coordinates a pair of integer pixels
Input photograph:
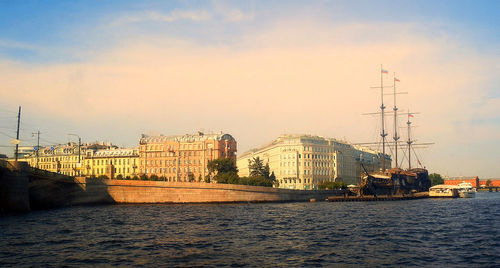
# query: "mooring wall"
{"type": "Point", "coordinates": [127, 191]}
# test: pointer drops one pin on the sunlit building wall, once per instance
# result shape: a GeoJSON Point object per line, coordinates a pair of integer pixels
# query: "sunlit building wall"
{"type": "Point", "coordinates": [113, 163]}
{"type": "Point", "coordinates": [183, 157]}
{"type": "Point", "coordinates": [304, 161]}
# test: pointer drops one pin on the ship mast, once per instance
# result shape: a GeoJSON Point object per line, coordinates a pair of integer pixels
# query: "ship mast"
{"type": "Point", "coordinates": [409, 142]}
{"type": "Point", "coordinates": [382, 108]}
{"type": "Point", "coordinates": [396, 137]}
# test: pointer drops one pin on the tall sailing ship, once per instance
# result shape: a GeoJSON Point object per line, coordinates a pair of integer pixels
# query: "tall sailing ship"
{"type": "Point", "coordinates": [394, 180]}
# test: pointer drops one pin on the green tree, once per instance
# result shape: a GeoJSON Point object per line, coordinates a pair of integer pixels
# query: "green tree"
{"type": "Point", "coordinates": [223, 170]}
{"type": "Point", "coordinates": [103, 177]}
{"type": "Point", "coordinates": [191, 177]}
{"type": "Point", "coordinates": [256, 167]}
{"type": "Point", "coordinates": [119, 177]}
{"type": "Point", "coordinates": [227, 177]}
{"type": "Point", "coordinates": [331, 185]}
{"type": "Point", "coordinates": [435, 179]}
{"type": "Point", "coordinates": [222, 165]}
{"type": "Point", "coordinates": [488, 182]}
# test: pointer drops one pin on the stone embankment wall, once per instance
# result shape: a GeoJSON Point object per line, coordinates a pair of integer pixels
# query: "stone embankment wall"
{"type": "Point", "coordinates": [23, 188]}
{"type": "Point", "coordinates": [126, 191]}
{"type": "Point", "coordinates": [14, 194]}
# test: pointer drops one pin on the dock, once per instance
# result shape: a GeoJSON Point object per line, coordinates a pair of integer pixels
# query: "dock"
{"type": "Point", "coordinates": [367, 198]}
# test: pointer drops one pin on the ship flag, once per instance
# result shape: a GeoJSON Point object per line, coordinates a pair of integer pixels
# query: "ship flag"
{"type": "Point", "coordinates": [397, 80]}
{"type": "Point", "coordinates": [385, 71]}
{"type": "Point", "coordinates": [410, 115]}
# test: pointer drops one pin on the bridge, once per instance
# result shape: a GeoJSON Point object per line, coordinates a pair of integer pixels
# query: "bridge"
{"type": "Point", "coordinates": [24, 188]}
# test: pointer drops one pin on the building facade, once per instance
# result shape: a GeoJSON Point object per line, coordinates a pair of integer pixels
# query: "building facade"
{"type": "Point", "coordinates": [113, 163]}
{"type": "Point", "coordinates": [64, 159]}
{"type": "Point", "coordinates": [183, 157]}
{"type": "Point", "coordinates": [88, 160]}
{"type": "Point", "coordinates": [304, 161]}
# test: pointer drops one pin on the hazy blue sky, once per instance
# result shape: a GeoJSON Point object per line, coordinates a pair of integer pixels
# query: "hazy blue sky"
{"type": "Point", "coordinates": [111, 70]}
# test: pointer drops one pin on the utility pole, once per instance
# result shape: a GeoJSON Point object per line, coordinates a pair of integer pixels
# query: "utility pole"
{"type": "Point", "coordinates": [37, 147]}
{"type": "Point", "coordinates": [17, 136]}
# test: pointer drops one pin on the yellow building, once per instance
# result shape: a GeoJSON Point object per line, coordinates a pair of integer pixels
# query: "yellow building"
{"type": "Point", "coordinates": [87, 160]}
{"type": "Point", "coordinates": [304, 161]}
{"type": "Point", "coordinates": [114, 163]}
{"type": "Point", "coordinates": [63, 159]}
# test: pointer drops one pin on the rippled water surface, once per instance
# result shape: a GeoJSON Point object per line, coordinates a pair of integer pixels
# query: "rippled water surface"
{"type": "Point", "coordinates": [428, 232]}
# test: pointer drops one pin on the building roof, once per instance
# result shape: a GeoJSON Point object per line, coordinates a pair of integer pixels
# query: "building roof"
{"type": "Point", "coordinates": [122, 152]}
{"type": "Point", "coordinates": [306, 138]}
{"type": "Point", "coordinates": [200, 136]}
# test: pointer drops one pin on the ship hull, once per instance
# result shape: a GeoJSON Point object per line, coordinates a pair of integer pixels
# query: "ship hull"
{"type": "Point", "coordinates": [395, 181]}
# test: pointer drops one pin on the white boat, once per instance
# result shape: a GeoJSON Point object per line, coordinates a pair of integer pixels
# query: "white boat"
{"type": "Point", "coordinates": [466, 190]}
{"type": "Point", "coordinates": [443, 190]}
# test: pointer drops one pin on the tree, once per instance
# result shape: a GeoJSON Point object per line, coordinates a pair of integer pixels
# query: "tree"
{"type": "Point", "coordinates": [435, 179]}
{"type": "Point", "coordinates": [103, 177]}
{"type": "Point", "coordinates": [222, 165]}
{"type": "Point", "coordinates": [331, 185]}
{"type": "Point", "coordinates": [227, 177]}
{"type": "Point", "coordinates": [488, 182]}
{"type": "Point", "coordinates": [190, 177]}
{"type": "Point", "coordinates": [223, 170]}
{"type": "Point", "coordinates": [256, 167]}
{"type": "Point", "coordinates": [119, 177]}
{"type": "Point", "coordinates": [273, 179]}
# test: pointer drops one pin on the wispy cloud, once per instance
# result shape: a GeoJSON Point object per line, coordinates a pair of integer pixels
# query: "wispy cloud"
{"type": "Point", "coordinates": [9, 44]}
{"type": "Point", "coordinates": [174, 15]}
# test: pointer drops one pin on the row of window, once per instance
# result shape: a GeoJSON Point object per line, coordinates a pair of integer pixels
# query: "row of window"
{"type": "Point", "coordinates": [55, 159]}
{"type": "Point", "coordinates": [173, 154]}
{"type": "Point", "coordinates": [307, 172]}
{"type": "Point", "coordinates": [309, 156]}
{"type": "Point", "coordinates": [171, 162]}
{"type": "Point", "coordinates": [102, 171]}
{"type": "Point", "coordinates": [308, 164]}
{"type": "Point", "coordinates": [127, 161]}
{"type": "Point", "coordinates": [172, 170]}
{"type": "Point", "coordinates": [160, 147]}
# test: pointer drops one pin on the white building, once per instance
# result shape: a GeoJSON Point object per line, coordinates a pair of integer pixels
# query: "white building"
{"type": "Point", "coordinates": [303, 161]}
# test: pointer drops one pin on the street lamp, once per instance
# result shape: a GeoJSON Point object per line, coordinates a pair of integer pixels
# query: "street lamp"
{"type": "Point", "coordinates": [79, 157]}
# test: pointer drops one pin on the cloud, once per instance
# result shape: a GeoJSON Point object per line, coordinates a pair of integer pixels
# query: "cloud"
{"type": "Point", "coordinates": [174, 15]}
{"type": "Point", "coordinates": [298, 77]}
{"type": "Point", "coordinates": [9, 44]}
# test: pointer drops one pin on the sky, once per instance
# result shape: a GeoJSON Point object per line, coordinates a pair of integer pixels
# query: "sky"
{"type": "Point", "coordinates": [112, 70]}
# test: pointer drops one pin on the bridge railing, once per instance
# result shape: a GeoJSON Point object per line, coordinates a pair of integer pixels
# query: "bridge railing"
{"type": "Point", "coordinates": [6, 164]}
{"type": "Point", "coordinates": [47, 174]}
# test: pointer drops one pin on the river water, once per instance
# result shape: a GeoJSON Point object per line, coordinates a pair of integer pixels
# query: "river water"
{"type": "Point", "coordinates": [426, 232]}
